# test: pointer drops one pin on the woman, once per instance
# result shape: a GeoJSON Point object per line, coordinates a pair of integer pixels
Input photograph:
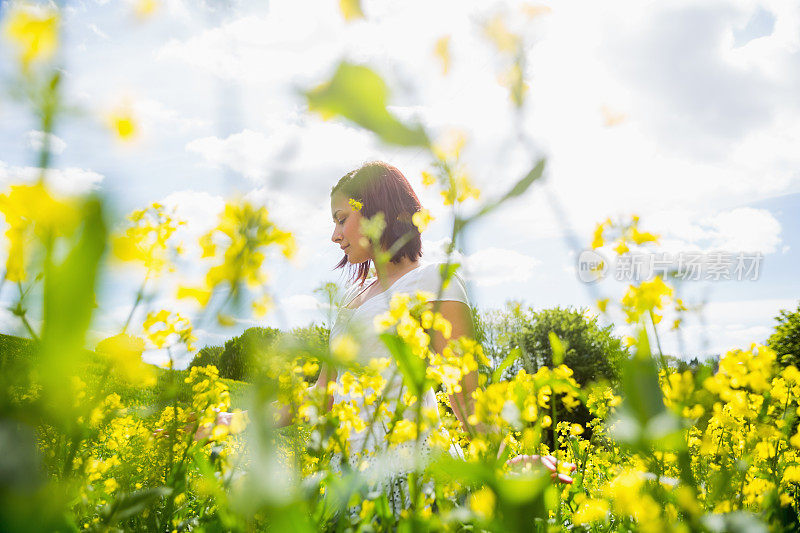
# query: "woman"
{"type": "Point", "coordinates": [363, 193]}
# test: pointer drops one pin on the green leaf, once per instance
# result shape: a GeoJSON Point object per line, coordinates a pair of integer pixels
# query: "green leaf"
{"type": "Point", "coordinates": [412, 367]}
{"type": "Point", "coordinates": [69, 301]}
{"type": "Point", "coordinates": [126, 505]}
{"type": "Point", "coordinates": [558, 349]}
{"type": "Point", "coordinates": [643, 419]}
{"type": "Point", "coordinates": [360, 95]}
{"type": "Point", "coordinates": [513, 355]}
{"type": "Point", "coordinates": [446, 272]}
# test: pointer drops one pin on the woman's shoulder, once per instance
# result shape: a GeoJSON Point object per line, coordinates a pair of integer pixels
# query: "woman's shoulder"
{"type": "Point", "coordinates": [430, 279]}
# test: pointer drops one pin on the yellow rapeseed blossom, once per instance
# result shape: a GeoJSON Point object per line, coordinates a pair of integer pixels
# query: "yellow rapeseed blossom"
{"type": "Point", "coordinates": [648, 296]}
{"type": "Point", "coordinates": [591, 510]}
{"type": "Point", "coordinates": [145, 8]}
{"type": "Point", "coordinates": [355, 204]}
{"type": "Point", "coordinates": [482, 502]}
{"type": "Point", "coordinates": [33, 30]}
{"type": "Point", "coordinates": [442, 52]}
{"type": "Point", "coordinates": [236, 246]}
{"type": "Point", "coordinates": [146, 239]}
{"type": "Point", "coordinates": [351, 9]}
{"type": "Point", "coordinates": [162, 325]}
{"type": "Point", "coordinates": [33, 216]}
{"type": "Point", "coordinates": [421, 219]}
{"type": "Point", "coordinates": [125, 354]}
{"type": "Point", "coordinates": [460, 189]}
{"type": "Point", "coordinates": [497, 31]}
{"type": "Point", "coordinates": [345, 348]}
{"type": "Point", "coordinates": [428, 179]}
{"type": "Point", "coordinates": [404, 431]}
{"type": "Point", "coordinates": [122, 123]}
{"type": "Point", "coordinates": [449, 146]}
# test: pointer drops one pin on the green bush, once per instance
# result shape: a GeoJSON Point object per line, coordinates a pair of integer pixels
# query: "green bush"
{"type": "Point", "coordinates": [786, 339]}
{"type": "Point", "coordinates": [592, 352]}
{"type": "Point", "coordinates": [208, 355]}
{"type": "Point", "coordinates": [242, 357]}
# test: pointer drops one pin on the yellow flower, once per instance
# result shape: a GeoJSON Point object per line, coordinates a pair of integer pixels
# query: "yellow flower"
{"type": "Point", "coordinates": [355, 204]}
{"type": "Point", "coordinates": [110, 485]}
{"type": "Point", "coordinates": [262, 305]}
{"type": "Point", "coordinates": [146, 239]}
{"type": "Point", "coordinates": [591, 510]}
{"type": "Point", "coordinates": [201, 295]}
{"type": "Point", "coordinates": [621, 247]}
{"type": "Point", "coordinates": [497, 31]}
{"type": "Point", "coordinates": [404, 430]}
{"type": "Point", "coordinates": [442, 52]}
{"type": "Point", "coordinates": [34, 32]}
{"type": "Point", "coordinates": [421, 219]}
{"type": "Point", "coordinates": [367, 507]}
{"type": "Point", "coordinates": [345, 347]}
{"type": "Point", "coordinates": [161, 326]}
{"type": "Point", "coordinates": [236, 245]}
{"type": "Point", "coordinates": [351, 9]}
{"type": "Point", "coordinates": [449, 146]}
{"type": "Point", "coordinates": [482, 502]}
{"type": "Point", "coordinates": [641, 237]}
{"type": "Point", "coordinates": [428, 179]}
{"type": "Point", "coordinates": [32, 212]}
{"type": "Point", "coordinates": [125, 353]}
{"type": "Point", "coordinates": [145, 8]}
{"type": "Point", "coordinates": [648, 296]}
{"type": "Point", "coordinates": [122, 123]}
{"type": "Point", "coordinates": [597, 240]}
{"type": "Point", "coordinates": [460, 190]}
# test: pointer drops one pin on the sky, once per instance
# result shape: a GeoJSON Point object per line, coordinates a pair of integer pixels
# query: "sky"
{"type": "Point", "coordinates": [684, 113]}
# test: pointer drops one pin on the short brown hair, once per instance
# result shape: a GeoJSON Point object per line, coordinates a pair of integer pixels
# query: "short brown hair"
{"type": "Point", "coordinates": [380, 187]}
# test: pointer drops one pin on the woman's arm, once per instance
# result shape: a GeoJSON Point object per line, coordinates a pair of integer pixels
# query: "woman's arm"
{"type": "Point", "coordinates": [460, 318]}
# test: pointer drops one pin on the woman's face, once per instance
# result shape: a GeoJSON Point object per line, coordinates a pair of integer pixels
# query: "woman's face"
{"type": "Point", "coordinates": [347, 231]}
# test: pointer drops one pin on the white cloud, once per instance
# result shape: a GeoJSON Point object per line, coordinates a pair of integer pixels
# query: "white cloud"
{"type": "Point", "coordinates": [745, 229]}
{"type": "Point", "coordinates": [301, 302]}
{"type": "Point", "coordinates": [495, 266]}
{"type": "Point", "coordinates": [65, 181]}
{"type": "Point", "coordinates": [306, 155]}
{"type": "Point", "coordinates": [155, 116]}
{"type": "Point", "coordinates": [741, 229]}
{"type": "Point", "coordinates": [36, 138]}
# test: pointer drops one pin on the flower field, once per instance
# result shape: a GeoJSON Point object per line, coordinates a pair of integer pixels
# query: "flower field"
{"type": "Point", "coordinates": [95, 439]}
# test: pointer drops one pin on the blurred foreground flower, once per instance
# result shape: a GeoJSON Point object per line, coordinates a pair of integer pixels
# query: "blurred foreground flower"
{"type": "Point", "coordinates": [162, 325]}
{"type": "Point", "coordinates": [236, 245]}
{"type": "Point", "coordinates": [146, 239]}
{"type": "Point", "coordinates": [122, 123]}
{"type": "Point", "coordinates": [124, 353]}
{"type": "Point", "coordinates": [33, 30]}
{"type": "Point", "coordinates": [32, 214]}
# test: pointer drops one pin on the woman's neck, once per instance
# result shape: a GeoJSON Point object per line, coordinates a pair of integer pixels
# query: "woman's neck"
{"type": "Point", "coordinates": [392, 271]}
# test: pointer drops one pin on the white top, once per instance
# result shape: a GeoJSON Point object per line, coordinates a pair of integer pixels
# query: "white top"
{"type": "Point", "coordinates": [359, 323]}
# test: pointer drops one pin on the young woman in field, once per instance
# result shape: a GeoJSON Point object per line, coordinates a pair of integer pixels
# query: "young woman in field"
{"type": "Point", "coordinates": [362, 194]}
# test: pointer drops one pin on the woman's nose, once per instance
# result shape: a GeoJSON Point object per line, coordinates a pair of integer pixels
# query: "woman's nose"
{"type": "Point", "coordinates": [337, 236]}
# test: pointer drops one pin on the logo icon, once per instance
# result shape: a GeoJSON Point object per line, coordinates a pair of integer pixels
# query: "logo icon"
{"type": "Point", "coordinates": [591, 266]}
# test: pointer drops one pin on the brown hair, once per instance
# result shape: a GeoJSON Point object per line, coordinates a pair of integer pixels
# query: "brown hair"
{"type": "Point", "coordinates": [380, 187]}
